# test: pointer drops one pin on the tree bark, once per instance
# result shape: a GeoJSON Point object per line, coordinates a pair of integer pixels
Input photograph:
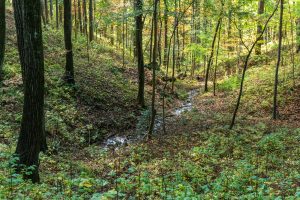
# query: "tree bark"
{"type": "Point", "coordinates": [154, 66]}
{"type": "Point", "coordinates": [46, 11]}
{"type": "Point", "coordinates": [51, 9]}
{"type": "Point", "coordinates": [91, 19]}
{"type": "Point", "coordinates": [18, 15]}
{"type": "Point", "coordinates": [275, 106]}
{"type": "Point", "coordinates": [211, 54]}
{"type": "Point", "coordinates": [165, 32]}
{"type": "Point", "coordinates": [80, 17]}
{"type": "Point", "coordinates": [57, 14]}
{"type": "Point", "coordinates": [261, 8]}
{"type": "Point", "coordinates": [2, 35]}
{"type": "Point", "coordinates": [84, 17]}
{"type": "Point", "coordinates": [138, 6]}
{"type": "Point", "coordinates": [69, 73]}
{"type": "Point", "coordinates": [32, 139]}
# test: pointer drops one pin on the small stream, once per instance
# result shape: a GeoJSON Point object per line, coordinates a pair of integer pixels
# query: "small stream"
{"type": "Point", "coordinates": [186, 106]}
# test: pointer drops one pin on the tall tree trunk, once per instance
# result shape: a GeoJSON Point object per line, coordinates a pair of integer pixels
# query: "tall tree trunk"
{"type": "Point", "coordinates": [138, 6]}
{"type": "Point", "coordinates": [75, 19]}
{"type": "Point", "coordinates": [245, 68]}
{"type": "Point", "coordinates": [80, 17]}
{"type": "Point", "coordinates": [18, 15]}
{"type": "Point", "coordinates": [2, 35]}
{"type": "Point", "coordinates": [43, 12]}
{"type": "Point", "coordinates": [211, 54]}
{"type": "Point", "coordinates": [91, 19]}
{"type": "Point", "coordinates": [69, 73]}
{"type": "Point", "coordinates": [84, 17]}
{"type": "Point", "coordinates": [293, 47]}
{"type": "Point", "coordinates": [60, 8]}
{"type": "Point", "coordinates": [154, 66]}
{"type": "Point", "coordinates": [216, 64]}
{"type": "Point", "coordinates": [165, 32]}
{"type": "Point", "coordinates": [32, 139]}
{"type": "Point", "coordinates": [298, 34]}
{"type": "Point", "coordinates": [57, 13]}
{"type": "Point", "coordinates": [261, 8]}
{"type": "Point", "coordinates": [46, 11]}
{"type": "Point", "coordinates": [51, 9]}
{"type": "Point", "coordinates": [275, 106]}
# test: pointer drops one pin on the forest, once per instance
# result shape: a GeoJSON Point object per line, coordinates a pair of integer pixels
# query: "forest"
{"type": "Point", "coordinates": [150, 99]}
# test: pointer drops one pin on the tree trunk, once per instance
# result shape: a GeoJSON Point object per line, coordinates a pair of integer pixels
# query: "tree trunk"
{"type": "Point", "coordinates": [2, 35]}
{"type": "Point", "coordinates": [51, 9]}
{"type": "Point", "coordinates": [275, 106]}
{"type": "Point", "coordinates": [32, 139]}
{"type": "Point", "coordinates": [165, 32]}
{"type": "Point", "coordinates": [46, 11]}
{"type": "Point", "coordinates": [298, 34]}
{"type": "Point", "coordinates": [139, 49]}
{"type": "Point", "coordinates": [80, 17]}
{"type": "Point", "coordinates": [245, 68]}
{"type": "Point", "coordinates": [69, 73]}
{"type": "Point", "coordinates": [211, 54]}
{"type": "Point", "coordinates": [216, 64]}
{"type": "Point", "coordinates": [261, 8]}
{"type": "Point", "coordinates": [75, 19]}
{"type": "Point", "coordinates": [18, 14]}
{"type": "Point", "coordinates": [154, 66]}
{"type": "Point", "coordinates": [60, 8]}
{"type": "Point", "coordinates": [84, 17]}
{"type": "Point", "coordinates": [91, 19]}
{"type": "Point", "coordinates": [57, 14]}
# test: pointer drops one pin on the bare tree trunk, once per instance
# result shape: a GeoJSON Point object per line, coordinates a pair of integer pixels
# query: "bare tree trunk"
{"type": "Point", "coordinates": [91, 19]}
{"type": "Point", "coordinates": [85, 21]}
{"type": "Point", "coordinates": [275, 106]}
{"type": "Point", "coordinates": [69, 73]}
{"type": "Point", "coordinates": [261, 8]}
{"type": "Point", "coordinates": [46, 11]}
{"type": "Point", "coordinates": [57, 15]}
{"type": "Point", "coordinates": [211, 54]}
{"type": "Point", "coordinates": [2, 35]}
{"type": "Point", "coordinates": [80, 16]}
{"type": "Point", "coordinates": [165, 31]}
{"type": "Point", "coordinates": [138, 6]}
{"type": "Point", "coordinates": [154, 61]}
{"type": "Point", "coordinates": [32, 139]}
{"type": "Point", "coordinates": [216, 64]}
{"type": "Point", "coordinates": [51, 9]}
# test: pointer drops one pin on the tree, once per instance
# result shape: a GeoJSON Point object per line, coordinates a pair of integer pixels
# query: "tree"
{"type": "Point", "coordinates": [2, 35]}
{"type": "Point", "coordinates": [261, 8]}
{"type": "Point", "coordinates": [84, 11]}
{"type": "Point", "coordinates": [46, 11]}
{"type": "Point", "coordinates": [212, 53]}
{"type": "Point", "coordinates": [32, 139]}
{"type": "Point", "coordinates": [275, 106]}
{"type": "Point", "coordinates": [91, 24]}
{"type": "Point", "coordinates": [138, 6]}
{"type": "Point", "coordinates": [51, 9]}
{"type": "Point", "coordinates": [80, 17]}
{"type": "Point", "coordinates": [69, 73]}
{"type": "Point", "coordinates": [165, 31]}
{"type": "Point", "coordinates": [154, 66]}
{"type": "Point", "coordinates": [56, 13]}
{"type": "Point", "coordinates": [245, 68]}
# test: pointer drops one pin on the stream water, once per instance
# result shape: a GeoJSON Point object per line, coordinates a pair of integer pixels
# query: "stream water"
{"type": "Point", "coordinates": [186, 106]}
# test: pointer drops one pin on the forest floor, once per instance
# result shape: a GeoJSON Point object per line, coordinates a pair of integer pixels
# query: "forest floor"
{"type": "Point", "coordinates": [197, 158]}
